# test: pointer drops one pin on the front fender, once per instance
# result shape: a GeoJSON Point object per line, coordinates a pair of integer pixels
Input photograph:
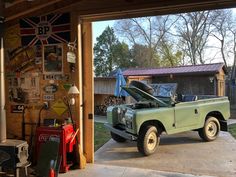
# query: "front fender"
{"type": "Point", "coordinates": [165, 116]}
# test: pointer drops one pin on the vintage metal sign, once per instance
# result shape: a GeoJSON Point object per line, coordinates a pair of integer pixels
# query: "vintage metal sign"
{"type": "Point", "coordinates": [48, 97]}
{"type": "Point", "coordinates": [59, 107]}
{"type": "Point", "coordinates": [48, 29]}
{"type": "Point", "coordinates": [52, 88]}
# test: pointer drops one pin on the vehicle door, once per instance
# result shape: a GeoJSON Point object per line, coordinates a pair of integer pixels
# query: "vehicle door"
{"type": "Point", "coordinates": [186, 114]}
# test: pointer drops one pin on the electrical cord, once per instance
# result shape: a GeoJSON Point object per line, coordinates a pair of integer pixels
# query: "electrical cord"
{"type": "Point", "coordinates": [45, 106]}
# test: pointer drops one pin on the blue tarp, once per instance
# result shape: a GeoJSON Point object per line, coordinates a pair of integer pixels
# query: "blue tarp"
{"type": "Point", "coordinates": [120, 81]}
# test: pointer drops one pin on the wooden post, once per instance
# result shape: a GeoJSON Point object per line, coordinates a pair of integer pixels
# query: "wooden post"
{"type": "Point", "coordinates": [78, 81]}
{"type": "Point", "coordinates": [77, 78]}
{"type": "Point", "coordinates": [88, 91]}
{"type": "Point", "coordinates": [3, 133]}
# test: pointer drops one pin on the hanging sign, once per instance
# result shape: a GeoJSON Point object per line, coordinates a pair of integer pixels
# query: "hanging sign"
{"type": "Point", "coordinates": [71, 57]}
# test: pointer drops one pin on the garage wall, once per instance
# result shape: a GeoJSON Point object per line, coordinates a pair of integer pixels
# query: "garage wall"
{"type": "Point", "coordinates": [29, 85]}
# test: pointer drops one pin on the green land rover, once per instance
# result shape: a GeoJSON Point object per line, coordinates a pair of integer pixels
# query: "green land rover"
{"type": "Point", "coordinates": [154, 113]}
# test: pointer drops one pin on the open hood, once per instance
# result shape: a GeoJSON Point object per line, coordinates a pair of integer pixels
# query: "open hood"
{"type": "Point", "coordinates": [140, 95]}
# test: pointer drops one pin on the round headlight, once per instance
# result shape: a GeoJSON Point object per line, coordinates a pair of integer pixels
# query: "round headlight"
{"type": "Point", "coordinates": [118, 110]}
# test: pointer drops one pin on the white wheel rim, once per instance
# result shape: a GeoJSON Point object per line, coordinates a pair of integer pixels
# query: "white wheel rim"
{"type": "Point", "coordinates": [151, 141]}
{"type": "Point", "coordinates": [211, 129]}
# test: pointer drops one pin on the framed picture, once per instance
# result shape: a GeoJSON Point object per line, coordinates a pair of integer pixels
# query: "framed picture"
{"type": "Point", "coordinates": [53, 58]}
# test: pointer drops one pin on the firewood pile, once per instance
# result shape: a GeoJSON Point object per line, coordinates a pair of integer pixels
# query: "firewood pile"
{"type": "Point", "coordinates": [108, 101]}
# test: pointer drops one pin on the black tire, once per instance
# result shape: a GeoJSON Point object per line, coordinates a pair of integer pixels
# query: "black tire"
{"type": "Point", "coordinates": [211, 129]}
{"type": "Point", "coordinates": [117, 138]}
{"type": "Point", "coordinates": [200, 133]}
{"type": "Point", "coordinates": [148, 140]}
{"type": "Point", "coordinates": [142, 86]}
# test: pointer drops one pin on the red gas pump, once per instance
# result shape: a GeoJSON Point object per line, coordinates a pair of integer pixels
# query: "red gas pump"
{"type": "Point", "coordinates": [66, 134]}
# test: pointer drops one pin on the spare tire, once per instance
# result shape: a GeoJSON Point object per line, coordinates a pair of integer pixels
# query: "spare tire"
{"type": "Point", "coordinates": [142, 86]}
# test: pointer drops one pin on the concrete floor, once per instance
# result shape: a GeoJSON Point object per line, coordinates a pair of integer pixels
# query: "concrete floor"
{"type": "Point", "coordinates": [180, 155]}
{"type": "Point", "coordinates": [98, 170]}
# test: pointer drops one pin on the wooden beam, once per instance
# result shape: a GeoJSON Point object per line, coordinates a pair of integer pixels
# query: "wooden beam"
{"type": "Point", "coordinates": [25, 8]}
{"type": "Point", "coordinates": [139, 8]}
{"type": "Point", "coordinates": [88, 91]}
{"type": "Point", "coordinates": [106, 9]}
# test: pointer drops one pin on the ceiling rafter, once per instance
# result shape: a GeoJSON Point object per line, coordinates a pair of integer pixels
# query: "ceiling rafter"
{"type": "Point", "coordinates": [107, 9]}
{"type": "Point", "coordinates": [23, 8]}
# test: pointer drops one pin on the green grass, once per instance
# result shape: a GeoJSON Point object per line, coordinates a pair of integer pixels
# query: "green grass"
{"type": "Point", "coordinates": [232, 130]}
{"type": "Point", "coordinates": [101, 135]}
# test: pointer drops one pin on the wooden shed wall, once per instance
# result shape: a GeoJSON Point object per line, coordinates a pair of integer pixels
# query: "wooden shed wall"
{"type": "Point", "coordinates": [104, 86]}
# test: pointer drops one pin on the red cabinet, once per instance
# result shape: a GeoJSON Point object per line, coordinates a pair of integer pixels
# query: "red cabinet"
{"type": "Point", "coordinates": [65, 133]}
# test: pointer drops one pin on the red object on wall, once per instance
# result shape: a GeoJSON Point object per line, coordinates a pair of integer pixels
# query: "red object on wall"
{"type": "Point", "coordinates": [67, 142]}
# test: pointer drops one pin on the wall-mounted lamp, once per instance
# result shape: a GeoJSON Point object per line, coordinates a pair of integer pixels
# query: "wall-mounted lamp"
{"type": "Point", "coordinates": [211, 79]}
{"type": "Point", "coordinates": [70, 100]}
{"type": "Point", "coordinates": [73, 91]}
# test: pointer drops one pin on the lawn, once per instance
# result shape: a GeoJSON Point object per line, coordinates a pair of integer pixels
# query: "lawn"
{"type": "Point", "coordinates": [101, 135]}
{"type": "Point", "coordinates": [232, 130]}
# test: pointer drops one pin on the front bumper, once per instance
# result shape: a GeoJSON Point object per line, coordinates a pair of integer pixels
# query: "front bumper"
{"type": "Point", "coordinates": [121, 133]}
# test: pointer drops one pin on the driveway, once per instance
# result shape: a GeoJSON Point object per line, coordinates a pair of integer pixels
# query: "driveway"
{"type": "Point", "coordinates": [181, 153]}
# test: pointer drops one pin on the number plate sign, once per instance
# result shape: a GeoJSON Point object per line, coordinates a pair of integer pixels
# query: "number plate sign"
{"type": "Point", "coordinates": [48, 97]}
{"type": "Point", "coordinates": [17, 108]}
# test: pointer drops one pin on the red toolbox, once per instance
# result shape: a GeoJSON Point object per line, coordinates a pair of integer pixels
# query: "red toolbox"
{"type": "Point", "coordinates": [65, 133]}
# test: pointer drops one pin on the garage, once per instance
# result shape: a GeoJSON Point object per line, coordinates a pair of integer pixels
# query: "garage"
{"type": "Point", "coordinates": [80, 73]}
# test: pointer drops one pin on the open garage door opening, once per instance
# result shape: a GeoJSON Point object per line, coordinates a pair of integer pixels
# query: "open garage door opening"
{"type": "Point", "coordinates": [178, 48]}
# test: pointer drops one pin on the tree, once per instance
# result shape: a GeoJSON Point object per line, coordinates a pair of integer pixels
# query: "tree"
{"type": "Point", "coordinates": [221, 30]}
{"type": "Point", "coordinates": [194, 30]}
{"type": "Point", "coordinates": [109, 53]}
{"type": "Point", "coordinates": [146, 34]}
{"type": "Point", "coordinates": [169, 58]}
{"type": "Point", "coordinates": [232, 29]}
{"type": "Point", "coordinates": [141, 54]}
{"type": "Point", "coordinates": [122, 56]}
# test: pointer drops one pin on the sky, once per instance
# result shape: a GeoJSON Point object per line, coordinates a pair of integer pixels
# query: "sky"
{"type": "Point", "coordinates": [99, 27]}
